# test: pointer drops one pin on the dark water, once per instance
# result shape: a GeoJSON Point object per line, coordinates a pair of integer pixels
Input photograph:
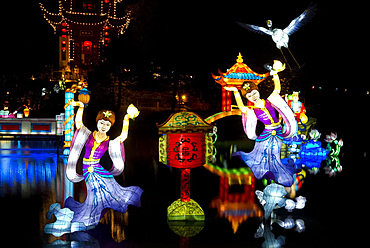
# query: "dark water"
{"type": "Point", "coordinates": [32, 177]}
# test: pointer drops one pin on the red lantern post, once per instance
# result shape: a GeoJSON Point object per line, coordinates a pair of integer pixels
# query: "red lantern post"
{"type": "Point", "coordinates": [185, 143]}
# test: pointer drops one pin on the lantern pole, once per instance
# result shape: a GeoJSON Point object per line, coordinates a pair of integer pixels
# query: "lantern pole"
{"type": "Point", "coordinates": [186, 144]}
{"type": "Point", "coordinates": [185, 185]}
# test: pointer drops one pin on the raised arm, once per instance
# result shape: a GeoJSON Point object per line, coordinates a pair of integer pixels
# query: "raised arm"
{"type": "Point", "coordinates": [277, 67]}
{"type": "Point", "coordinates": [79, 114]}
{"type": "Point", "coordinates": [132, 112]}
{"type": "Point", "coordinates": [238, 98]}
{"type": "Point", "coordinates": [276, 80]}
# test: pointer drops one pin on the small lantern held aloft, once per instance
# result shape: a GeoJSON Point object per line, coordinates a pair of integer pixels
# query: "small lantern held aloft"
{"type": "Point", "coordinates": [186, 143]}
{"type": "Point", "coordinates": [84, 96]}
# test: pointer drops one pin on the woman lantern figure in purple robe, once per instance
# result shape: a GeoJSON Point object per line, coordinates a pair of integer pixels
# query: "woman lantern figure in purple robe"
{"type": "Point", "coordinates": [103, 191]}
{"type": "Point", "coordinates": [264, 159]}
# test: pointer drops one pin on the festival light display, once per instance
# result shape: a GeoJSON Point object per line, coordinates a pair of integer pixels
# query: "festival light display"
{"type": "Point", "coordinates": [69, 114]}
{"type": "Point", "coordinates": [185, 143]}
{"type": "Point", "coordinates": [298, 108]}
{"type": "Point", "coordinates": [84, 28]}
{"type": "Point", "coordinates": [69, 121]}
{"type": "Point", "coordinates": [333, 149]}
{"type": "Point", "coordinates": [281, 36]}
{"type": "Point", "coordinates": [273, 196]}
{"type": "Point", "coordinates": [235, 77]}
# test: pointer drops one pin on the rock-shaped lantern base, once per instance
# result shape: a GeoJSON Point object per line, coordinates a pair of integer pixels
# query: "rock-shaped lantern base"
{"type": "Point", "coordinates": [182, 211]}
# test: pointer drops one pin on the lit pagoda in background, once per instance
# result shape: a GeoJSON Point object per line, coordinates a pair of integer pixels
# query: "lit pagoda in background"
{"type": "Point", "coordinates": [84, 27]}
{"type": "Point", "coordinates": [236, 76]}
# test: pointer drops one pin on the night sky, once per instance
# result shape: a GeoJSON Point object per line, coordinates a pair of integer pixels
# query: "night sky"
{"type": "Point", "coordinates": [196, 37]}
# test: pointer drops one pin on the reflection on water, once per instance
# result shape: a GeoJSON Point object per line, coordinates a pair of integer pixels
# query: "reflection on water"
{"type": "Point", "coordinates": [31, 173]}
{"type": "Point", "coordinates": [30, 168]}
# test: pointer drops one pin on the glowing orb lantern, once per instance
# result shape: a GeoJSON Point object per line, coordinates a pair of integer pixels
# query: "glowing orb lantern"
{"type": "Point", "coordinates": [185, 143]}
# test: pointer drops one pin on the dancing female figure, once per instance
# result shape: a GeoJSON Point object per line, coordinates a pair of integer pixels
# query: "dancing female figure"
{"type": "Point", "coordinates": [264, 159]}
{"type": "Point", "coordinates": [103, 191]}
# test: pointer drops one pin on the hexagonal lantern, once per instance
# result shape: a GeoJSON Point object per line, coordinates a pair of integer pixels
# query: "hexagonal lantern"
{"type": "Point", "coordinates": [185, 142]}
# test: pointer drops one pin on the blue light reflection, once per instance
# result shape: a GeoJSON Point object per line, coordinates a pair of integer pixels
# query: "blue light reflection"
{"type": "Point", "coordinates": [29, 167]}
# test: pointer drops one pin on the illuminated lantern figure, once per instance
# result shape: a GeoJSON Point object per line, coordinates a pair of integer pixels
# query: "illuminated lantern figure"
{"type": "Point", "coordinates": [298, 108]}
{"type": "Point", "coordinates": [273, 197]}
{"type": "Point", "coordinates": [185, 143]}
{"type": "Point", "coordinates": [333, 149]}
{"type": "Point", "coordinates": [102, 189]}
{"type": "Point", "coordinates": [281, 36]}
{"type": "Point", "coordinates": [235, 77]}
{"type": "Point", "coordinates": [264, 159]}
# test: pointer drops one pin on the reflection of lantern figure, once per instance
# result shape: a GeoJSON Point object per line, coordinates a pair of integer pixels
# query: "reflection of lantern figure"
{"type": "Point", "coordinates": [185, 143]}
{"type": "Point", "coordinates": [237, 207]}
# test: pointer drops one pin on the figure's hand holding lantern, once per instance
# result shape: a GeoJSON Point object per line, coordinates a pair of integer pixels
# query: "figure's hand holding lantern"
{"type": "Point", "coordinates": [185, 143]}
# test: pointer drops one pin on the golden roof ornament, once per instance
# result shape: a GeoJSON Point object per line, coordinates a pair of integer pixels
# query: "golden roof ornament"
{"type": "Point", "coordinates": [240, 58]}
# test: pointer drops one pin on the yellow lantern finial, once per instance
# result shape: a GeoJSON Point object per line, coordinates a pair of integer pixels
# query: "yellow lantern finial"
{"type": "Point", "coordinates": [240, 58]}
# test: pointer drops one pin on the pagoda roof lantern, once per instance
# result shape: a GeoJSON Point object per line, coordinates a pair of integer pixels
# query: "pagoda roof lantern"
{"type": "Point", "coordinates": [238, 74]}
{"type": "Point", "coordinates": [184, 122]}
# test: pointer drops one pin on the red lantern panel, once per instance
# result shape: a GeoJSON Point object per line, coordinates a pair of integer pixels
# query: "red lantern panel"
{"type": "Point", "coordinates": [185, 150]}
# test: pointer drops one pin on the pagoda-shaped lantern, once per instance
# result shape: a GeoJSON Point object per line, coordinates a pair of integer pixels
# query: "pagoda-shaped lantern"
{"type": "Point", "coordinates": [235, 77]}
{"type": "Point", "coordinates": [185, 143]}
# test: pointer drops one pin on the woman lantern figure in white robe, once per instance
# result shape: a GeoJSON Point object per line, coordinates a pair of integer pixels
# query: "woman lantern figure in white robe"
{"type": "Point", "coordinates": [103, 192]}
{"type": "Point", "coordinates": [264, 159]}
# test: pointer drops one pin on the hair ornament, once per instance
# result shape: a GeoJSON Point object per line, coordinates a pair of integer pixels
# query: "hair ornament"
{"type": "Point", "coordinates": [107, 114]}
{"type": "Point", "coordinates": [246, 86]}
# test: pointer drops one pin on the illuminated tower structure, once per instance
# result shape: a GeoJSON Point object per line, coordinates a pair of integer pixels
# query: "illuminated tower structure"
{"type": "Point", "coordinates": [84, 28]}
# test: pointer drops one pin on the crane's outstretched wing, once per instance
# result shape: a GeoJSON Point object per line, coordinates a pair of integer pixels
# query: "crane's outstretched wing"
{"type": "Point", "coordinates": [257, 29]}
{"type": "Point", "coordinates": [300, 20]}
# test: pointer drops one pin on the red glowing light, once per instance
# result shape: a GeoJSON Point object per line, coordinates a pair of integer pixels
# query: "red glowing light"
{"type": "Point", "coordinates": [64, 24]}
{"type": "Point", "coordinates": [64, 42]}
{"type": "Point", "coordinates": [106, 27]}
{"type": "Point", "coordinates": [64, 49]}
{"type": "Point", "coordinates": [64, 30]}
{"type": "Point", "coordinates": [106, 1]}
{"type": "Point", "coordinates": [64, 36]}
{"type": "Point", "coordinates": [106, 33]}
{"type": "Point", "coordinates": [87, 43]}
